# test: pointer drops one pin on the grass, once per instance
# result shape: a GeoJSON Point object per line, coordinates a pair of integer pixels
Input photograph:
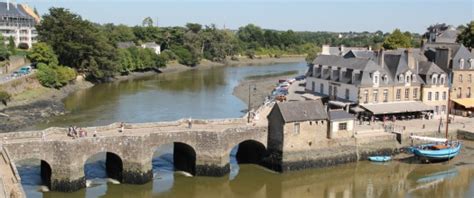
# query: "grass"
{"type": "Point", "coordinates": [286, 73]}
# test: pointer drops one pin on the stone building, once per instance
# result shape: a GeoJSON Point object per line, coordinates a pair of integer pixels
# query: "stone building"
{"type": "Point", "coordinates": [369, 79]}
{"type": "Point", "coordinates": [435, 89]}
{"type": "Point", "coordinates": [293, 129]}
{"type": "Point", "coordinates": [18, 21]}
{"type": "Point", "coordinates": [153, 46]}
{"type": "Point", "coordinates": [341, 124]}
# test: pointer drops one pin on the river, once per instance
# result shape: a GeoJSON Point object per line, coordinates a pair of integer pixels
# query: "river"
{"type": "Point", "coordinates": [207, 94]}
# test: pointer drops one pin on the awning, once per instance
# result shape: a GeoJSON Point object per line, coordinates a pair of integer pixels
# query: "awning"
{"type": "Point", "coordinates": [357, 109]}
{"type": "Point", "coordinates": [465, 102]}
{"type": "Point", "coordinates": [338, 103]}
{"type": "Point", "coordinates": [396, 107]}
{"type": "Point", "coordinates": [308, 96]}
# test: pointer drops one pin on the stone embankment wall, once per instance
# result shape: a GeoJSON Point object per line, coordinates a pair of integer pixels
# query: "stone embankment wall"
{"type": "Point", "coordinates": [10, 183]}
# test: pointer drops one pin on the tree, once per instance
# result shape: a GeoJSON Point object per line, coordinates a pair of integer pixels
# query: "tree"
{"type": "Point", "coordinates": [11, 45]}
{"type": "Point", "coordinates": [119, 33]}
{"type": "Point", "coordinates": [78, 44]}
{"type": "Point", "coordinates": [4, 54]}
{"type": "Point", "coordinates": [147, 22]}
{"type": "Point", "coordinates": [397, 39]}
{"type": "Point", "coordinates": [466, 37]}
{"type": "Point", "coordinates": [251, 34]}
{"type": "Point", "coordinates": [42, 53]}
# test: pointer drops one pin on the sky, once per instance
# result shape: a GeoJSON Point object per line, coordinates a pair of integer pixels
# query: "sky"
{"type": "Point", "coordinates": [298, 15]}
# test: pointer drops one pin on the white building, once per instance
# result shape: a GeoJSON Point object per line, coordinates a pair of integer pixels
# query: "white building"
{"type": "Point", "coordinates": [18, 21]}
{"type": "Point", "coordinates": [152, 45]}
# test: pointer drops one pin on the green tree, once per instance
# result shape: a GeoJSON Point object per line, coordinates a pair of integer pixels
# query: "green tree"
{"type": "Point", "coordinates": [466, 37]}
{"type": "Point", "coordinates": [252, 35]}
{"type": "Point", "coordinates": [147, 22]}
{"type": "Point", "coordinates": [11, 45]}
{"type": "Point", "coordinates": [78, 43]}
{"type": "Point", "coordinates": [397, 39]}
{"type": "Point", "coordinates": [119, 33]}
{"type": "Point", "coordinates": [42, 53]}
{"type": "Point", "coordinates": [4, 54]}
{"type": "Point", "coordinates": [185, 56]}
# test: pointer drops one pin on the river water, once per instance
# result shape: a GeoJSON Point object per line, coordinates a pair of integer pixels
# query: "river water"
{"type": "Point", "coordinates": [207, 94]}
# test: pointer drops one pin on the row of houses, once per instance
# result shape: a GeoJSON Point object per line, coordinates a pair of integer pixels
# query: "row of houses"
{"type": "Point", "coordinates": [403, 83]}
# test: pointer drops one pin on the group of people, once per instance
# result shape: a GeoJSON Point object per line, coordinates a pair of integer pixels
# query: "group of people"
{"type": "Point", "coordinates": [76, 132]}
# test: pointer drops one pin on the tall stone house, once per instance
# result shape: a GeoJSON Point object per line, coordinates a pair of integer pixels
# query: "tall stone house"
{"type": "Point", "coordinates": [18, 21]}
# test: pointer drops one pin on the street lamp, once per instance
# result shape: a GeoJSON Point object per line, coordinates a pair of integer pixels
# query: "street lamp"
{"type": "Point", "coordinates": [254, 87]}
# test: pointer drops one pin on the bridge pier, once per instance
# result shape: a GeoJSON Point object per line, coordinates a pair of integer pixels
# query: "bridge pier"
{"type": "Point", "coordinates": [135, 172]}
{"type": "Point", "coordinates": [212, 166]}
{"type": "Point", "coordinates": [67, 178]}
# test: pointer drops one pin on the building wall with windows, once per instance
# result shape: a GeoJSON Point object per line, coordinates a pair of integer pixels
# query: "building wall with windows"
{"type": "Point", "coordinates": [340, 90]}
{"type": "Point", "coordinates": [463, 84]}
{"type": "Point", "coordinates": [18, 21]}
{"type": "Point", "coordinates": [371, 95]}
{"type": "Point", "coordinates": [437, 97]}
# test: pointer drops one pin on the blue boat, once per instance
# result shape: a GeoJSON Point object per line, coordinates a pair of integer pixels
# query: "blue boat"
{"type": "Point", "coordinates": [380, 158]}
{"type": "Point", "coordinates": [437, 151]}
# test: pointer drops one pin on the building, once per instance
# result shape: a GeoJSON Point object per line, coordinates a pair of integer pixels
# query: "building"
{"type": "Point", "coordinates": [435, 89]}
{"type": "Point", "coordinates": [458, 62]}
{"type": "Point", "coordinates": [385, 83]}
{"type": "Point", "coordinates": [18, 21]}
{"type": "Point", "coordinates": [152, 45]}
{"type": "Point", "coordinates": [442, 33]}
{"type": "Point", "coordinates": [341, 124]}
{"type": "Point", "coordinates": [294, 127]}
{"type": "Point", "coordinates": [341, 50]}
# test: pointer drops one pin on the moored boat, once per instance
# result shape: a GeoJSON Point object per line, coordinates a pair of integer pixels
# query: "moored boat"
{"type": "Point", "coordinates": [380, 158]}
{"type": "Point", "coordinates": [440, 150]}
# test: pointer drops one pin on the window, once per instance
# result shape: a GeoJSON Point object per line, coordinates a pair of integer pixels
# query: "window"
{"type": "Point", "coordinates": [472, 63]}
{"type": "Point", "coordinates": [436, 95]}
{"type": "Point", "coordinates": [407, 79]}
{"type": "Point", "coordinates": [461, 63]}
{"type": "Point", "coordinates": [342, 126]}
{"type": "Point", "coordinates": [443, 109]}
{"type": "Point", "coordinates": [407, 93]}
{"type": "Point", "coordinates": [376, 96]}
{"type": "Point", "coordinates": [321, 88]}
{"type": "Point", "coordinates": [444, 96]}
{"type": "Point", "coordinates": [460, 77]}
{"type": "Point", "coordinates": [468, 92]}
{"type": "Point", "coordinates": [413, 78]}
{"type": "Point", "coordinates": [385, 95]}
{"type": "Point", "coordinates": [376, 79]}
{"type": "Point", "coordinates": [434, 79]}
{"type": "Point", "coordinates": [459, 92]}
{"type": "Point", "coordinates": [469, 78]}
{"type": "Point", "coordinates": [415, 93]}
{"type": "Point", "coordinates": [429, 95]}
{"type": "Point", "coordinates": [366, 96]}
{"type": "Point", "coordinates": [297, 128]}
{"type": "Point", "coordinates": [401, 78]}
{"type": "Point", "coordinates": [347, 94]}
{"type": "Point", "coordinates": [399, 93]}
{"type": "Point", "coordinates": [441, 80]}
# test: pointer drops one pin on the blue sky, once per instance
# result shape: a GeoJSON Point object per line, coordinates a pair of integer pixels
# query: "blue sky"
{"type": "Point", "coordinates": [299, 15]}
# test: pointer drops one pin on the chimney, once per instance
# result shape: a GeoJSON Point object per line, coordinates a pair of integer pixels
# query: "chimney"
{"type": "Point", "coordinates": [341, 49]}
{"type": "Point", "coordinates": [325, 50]}
{"type": "Point", "coordinates": [381, 57]}
{"type": "Point", "coordinates": [410, 59]}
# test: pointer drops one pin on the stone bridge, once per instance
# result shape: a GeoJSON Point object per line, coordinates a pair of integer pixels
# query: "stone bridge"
{"type": "Point", "coordinates": [202, 149]}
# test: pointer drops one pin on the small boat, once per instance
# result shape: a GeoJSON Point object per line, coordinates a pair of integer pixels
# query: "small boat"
{"type": "Point", "coordinates": [380, 158]}
{"type": "Point", "coordinates": [440, 150]}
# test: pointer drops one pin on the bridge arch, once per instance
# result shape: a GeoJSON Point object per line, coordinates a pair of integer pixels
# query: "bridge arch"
{"type": "Point", "coordinates": [104, 165]}
{"type": "Point", "coordinates": [181, 155]}
{"type": "Point", "coordinates": [249, 152]}
{"type": "Point", "coordinates": [32, 168]}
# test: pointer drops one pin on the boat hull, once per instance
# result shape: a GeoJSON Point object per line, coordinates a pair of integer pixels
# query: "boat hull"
{"type": "Point", "coordinates": [380, 158]}
{"type": "Point", "coordinates": [437, 155]}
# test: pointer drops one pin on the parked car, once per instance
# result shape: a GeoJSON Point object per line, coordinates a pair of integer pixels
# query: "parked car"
{"type": "Point", "coordinates": [302, 77]}
{"type": "Point", "coordinates": [291, 80]}
{"type": "Point", "coordinates": [24, 70]}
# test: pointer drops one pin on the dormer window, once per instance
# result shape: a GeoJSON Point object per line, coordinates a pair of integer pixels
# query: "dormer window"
{"type": "Point", "coordinates": [385, 79]}
{"type": "Point", "coordinates": [434, 79]}
{"type": "Point", "coordinates": [407, 79]}
{"type": "Point", "coordinates": [471, 61]}
{"type": "Point", "coordinates": [413, 78]}
{"type": "Point", "coordinates": [442, 79]}
{"type": "Point", "coordinates": [401, 78]}
{"type": "Point", "coordinates": [461, 63]}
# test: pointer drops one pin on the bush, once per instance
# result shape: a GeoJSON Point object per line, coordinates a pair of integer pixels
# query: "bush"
{"type": "Point", "coordinates": [23, 46]}
{"type": "Point", "coordinates": [5, 97]}
{"type": "Point", "coordinates": [54, 76]}
{"type": "Point", "coordinates": [185, 57]}
{"type": "Point", "coordinates": [168, 55]}
{"type": "Point", "coordinates": [250, 54]}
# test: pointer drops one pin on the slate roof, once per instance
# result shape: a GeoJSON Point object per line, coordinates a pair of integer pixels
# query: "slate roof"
{"type": "Point", "coordinates": [299, 111]}
{"type": "Point", "coordinates": [333, 60]}
{"type": "Point", "coordinates": [339, 115]}
{"type": "Point", "coordinates": [15, 11]}
{"type": "Point", "coordinates": [360, 54]}
{"type": "Point", "coordinates": [428, 68]}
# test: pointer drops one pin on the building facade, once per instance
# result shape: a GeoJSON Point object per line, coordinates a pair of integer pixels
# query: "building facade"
{"type": "Point", "coordinates": [18, 21]}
